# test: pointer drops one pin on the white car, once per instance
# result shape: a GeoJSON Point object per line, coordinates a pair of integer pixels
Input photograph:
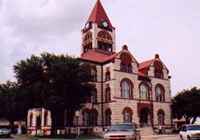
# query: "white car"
{"type": "Point", "coordinates": [190, 132]}
{"type": "Point", "coordinates": [122, 131]}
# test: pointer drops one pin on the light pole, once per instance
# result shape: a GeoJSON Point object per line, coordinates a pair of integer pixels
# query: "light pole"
{"type": "Point", "coordinates": [77, 114]}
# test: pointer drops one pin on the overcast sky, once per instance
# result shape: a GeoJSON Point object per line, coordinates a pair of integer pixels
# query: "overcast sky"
{"type": "Point", "coordinates": [168, 27]}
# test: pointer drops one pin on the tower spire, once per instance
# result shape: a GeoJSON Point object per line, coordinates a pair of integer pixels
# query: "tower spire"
{"type": "Point", "coordinates": [98, 15]}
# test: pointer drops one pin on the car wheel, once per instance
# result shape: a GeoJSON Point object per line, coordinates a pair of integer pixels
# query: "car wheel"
{"type": "Point", "coordinates": [181, 137]}
{"type": "Point", "coordinates": [188, 138]}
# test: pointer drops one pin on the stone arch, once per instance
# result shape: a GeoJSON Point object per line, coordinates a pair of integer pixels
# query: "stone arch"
{"type": "Point", "coordinates": [104, 36]}
{"type": "Point", "coordinates": [86, 117]}
{"type": "Point", "coordinates": [127, 115]}
{"type": "Point", "coordinates": [126, 88]}
{"type": "Point", "coordinates": [94, 117]}
{"type": "Point", "coordinates": [161, 117]}
{"type": "Point", "coordinates": [144, 91]}
{"type": "Point", "coordinates": [126, 62]}
{"type": "Point", "coordinates": [108, 94]}
{"type": "Point", "coordinates": [160, 93]}
{"type": "Point", "coordinates": [158, 69]}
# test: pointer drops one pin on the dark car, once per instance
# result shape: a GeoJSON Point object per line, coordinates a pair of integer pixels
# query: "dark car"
{"type": "Point", "coordinates": [123, 131]}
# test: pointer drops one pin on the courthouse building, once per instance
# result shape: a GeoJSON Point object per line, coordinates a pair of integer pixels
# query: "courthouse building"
{"type": "Point", "coordinates": [126, 90]}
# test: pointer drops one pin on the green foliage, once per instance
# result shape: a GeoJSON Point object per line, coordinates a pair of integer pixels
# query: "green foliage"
{"type": "Point", "coordinates": [186, 104]}
{"type": "Point", "coordinates": [56, 82]}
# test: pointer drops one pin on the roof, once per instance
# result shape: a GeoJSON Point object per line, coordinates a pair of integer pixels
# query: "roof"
{"type": "Point", "coordinates": [98, 14]}
{"type": "Point", "coordinates": [146, 64]}
{"type": "Point", "coordinates": [97, 57]}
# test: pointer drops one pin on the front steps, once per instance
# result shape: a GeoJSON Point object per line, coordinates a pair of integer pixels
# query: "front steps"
{"type": "Point", "coordinates": [146, 131]}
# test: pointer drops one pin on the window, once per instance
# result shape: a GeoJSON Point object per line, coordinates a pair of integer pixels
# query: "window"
{"type": "Point", "coordinates": [108, 117]}
{"type": "Point", "coordinates": [108, 75]}
{"type": "Point", "coordinates": [94, 74]}
{"type": "Point", "coordinates": [86, 117]}
{"type": "Point", "coordinates": [127, 115]}
{"type": "Point", "coordinates": [108, 95]}
{"type": "Point", "coordinates": [160, 93]}
{"type": "Point", "coordinates": [94, 96]}
{"type": "Point", "coordinates": [126, 63]}
{"type": "Point", "coordinates": [87, 42]}
{"type": "Point", "coordinates": [104, 41]}
{"type": "Point", "coordinates": [93, 118]}
{"type": "Point", "coordinates": [126, 89]}
{"type": "Point", "coordinates": [158, 72]}
{"type": "Point", "coordinates": [144, 92]}
{"type": "Point", "coordinates": [161, 117]}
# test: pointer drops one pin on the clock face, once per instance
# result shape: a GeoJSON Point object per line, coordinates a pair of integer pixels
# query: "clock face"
{"type": "Point", "coordinates": [105, 24]}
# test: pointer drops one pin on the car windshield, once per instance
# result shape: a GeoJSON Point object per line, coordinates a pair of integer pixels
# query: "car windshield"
{"type": "Point", "coordinates": [193, 127]}
{"type": "Point", "coordinates": [122, 127]}
{"type": "Point", "coordinates": [4, 127]}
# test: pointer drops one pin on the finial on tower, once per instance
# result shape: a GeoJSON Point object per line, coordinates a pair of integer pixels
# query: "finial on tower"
{"type": "Point", "coordinates": [157, 56]}
{"type": "Point", "coordinates": [99, 16]}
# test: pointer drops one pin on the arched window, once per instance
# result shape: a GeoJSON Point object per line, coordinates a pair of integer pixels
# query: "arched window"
{"type": "Point", "coordinates": [144, 92]}
{"type": "Point", "coordinates": [126, 63]}
{"type": "Point", "coordinates": [105, 41]}
{"type": "Point", "coordinates": [161, 117]}
{"type": "Point", "coordinates": [104, 35]}
{"type": "Point", "coordinates": [108, 75]}
{"type": "Point", "coordinates": [158, 69]}
{"type": "Point", "coordinates": [87, 42]}
{"type": "Point", "coordinates": [127, 115]}
{"type": "Point", "coordinates": [108, 114]}
{"type": "Point", "coordinates": [108, 95]}
{"type": "Point", "coordinates": [94, 96]}
{"type": "Point", "coordinates": [93, 118]}
{"type": "Point", "coordinates": [94, 74]}
{"type": "Point", "coordinates": [160, 93]}
{"type": "Point", "coordinates": [86, 117]}
{"type": "Point", "coordinates": [126, 89]}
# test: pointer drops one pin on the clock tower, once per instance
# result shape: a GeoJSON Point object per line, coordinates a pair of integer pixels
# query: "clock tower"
{"type": "Point", "coordinates": [98, 34]}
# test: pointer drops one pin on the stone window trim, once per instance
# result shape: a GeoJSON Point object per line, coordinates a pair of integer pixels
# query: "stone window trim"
{"type": "Point", "coordinates": [126, 63]}
{"type": "Point", "coordinates": [90, 117]}
{"type": "Point", "coordinates": [158, 70]}
{"type": "Point", "coordinates": [161, 97]}
{"type": "Point", "coordinates": [127, 115]}
{"type": "Point", "coordinates": [124, 89]}
{"type": "Point", "coordinates": [148, 90]}
{"type": "Point", "coordinates": [161, 117]}
{"type": "Point", "coordinates": [108, 94]}
{"type": "Point", "coordinates": [108, 76]}
{"type": "Point", "coordinates": [94, 74]}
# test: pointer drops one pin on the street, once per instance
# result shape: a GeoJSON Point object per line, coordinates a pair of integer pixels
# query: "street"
{"type": "Point", "coordinates": [153, 137]}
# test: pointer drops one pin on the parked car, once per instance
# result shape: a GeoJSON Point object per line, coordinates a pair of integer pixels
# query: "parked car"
{"type": "Point", "coordinates": [123, 131]}
{"type": "Point", "coordinates": [5, 129]}
{"type": "Point", "coordinates": [190, 132]}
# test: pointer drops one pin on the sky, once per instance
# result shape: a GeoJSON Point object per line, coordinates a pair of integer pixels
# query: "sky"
{"type": "Point", "coordinates": [168, 27]}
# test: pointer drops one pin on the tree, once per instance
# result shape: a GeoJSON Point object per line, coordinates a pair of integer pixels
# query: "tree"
{"type": "Point", "coordinates": [186, 104]}
{"type": "Point", "coordinates": [13, 101]}
{"type": "Point", "coordinates": [57, 82]}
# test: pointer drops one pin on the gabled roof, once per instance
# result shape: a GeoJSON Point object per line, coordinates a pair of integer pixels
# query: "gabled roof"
{"type": "Point", "coordinates": [97, 57]}
{"type": "Point", "coordinates": [144, 66]}
{"type": "Point", "coordinates": [98, 14]}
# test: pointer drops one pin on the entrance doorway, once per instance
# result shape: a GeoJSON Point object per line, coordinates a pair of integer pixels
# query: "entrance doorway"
{"type": "Point", "coordinates": [145, 117]}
